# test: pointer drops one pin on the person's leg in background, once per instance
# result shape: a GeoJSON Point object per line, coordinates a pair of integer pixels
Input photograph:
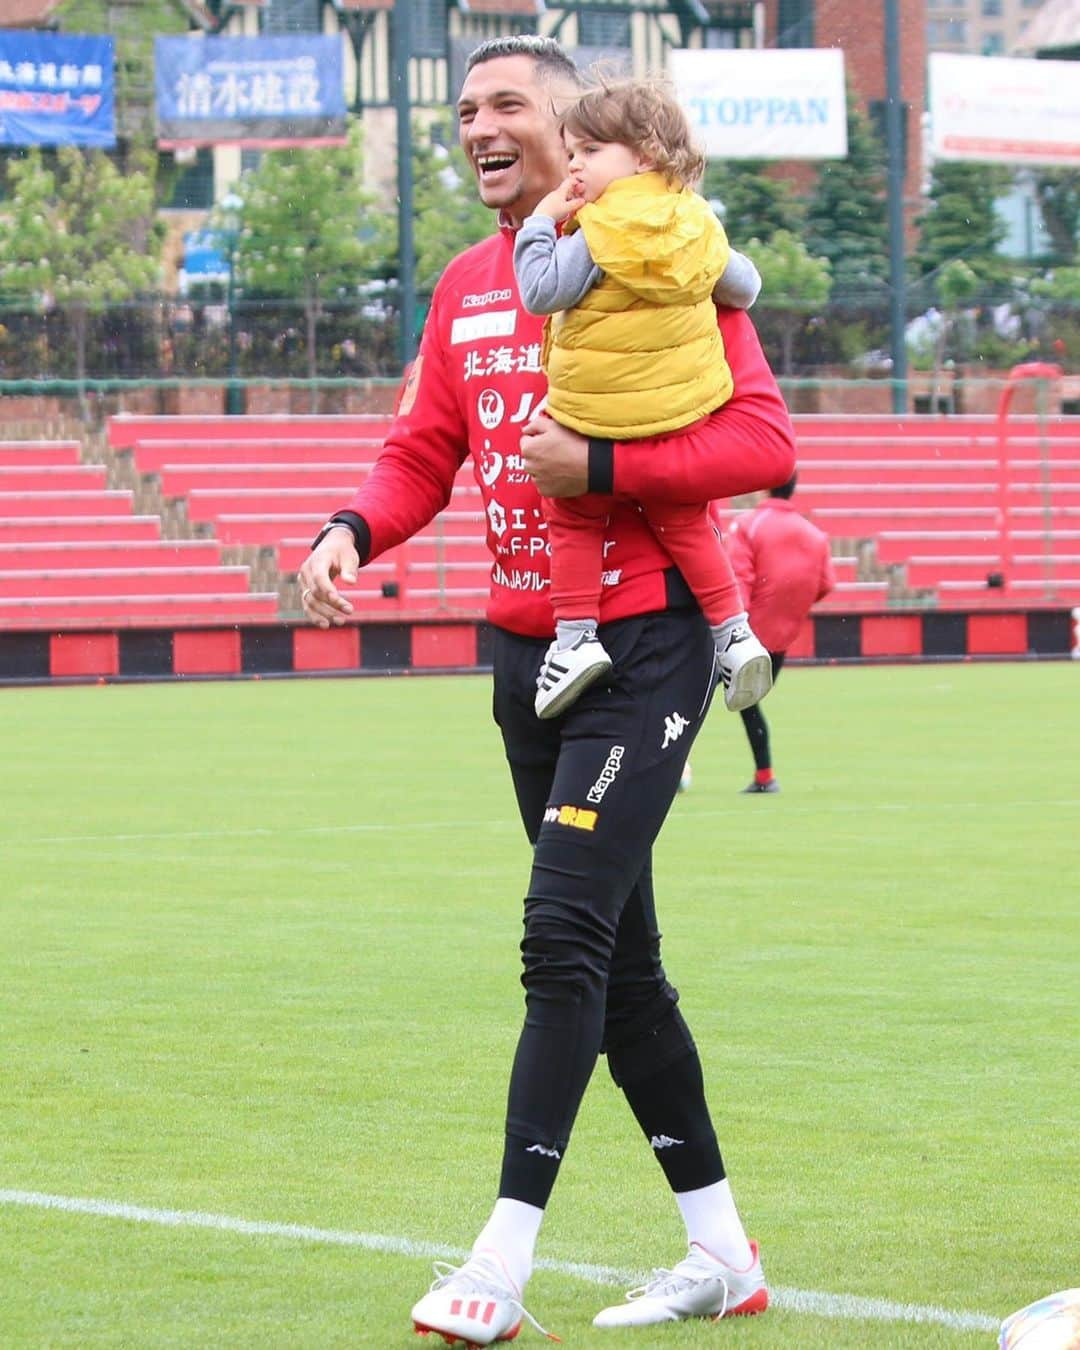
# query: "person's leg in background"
{"type": "Point", "coordinates": [757, 733]}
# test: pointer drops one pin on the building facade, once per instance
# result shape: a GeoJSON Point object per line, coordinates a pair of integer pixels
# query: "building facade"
{"type": "Point", "coordinates": [978, 27]}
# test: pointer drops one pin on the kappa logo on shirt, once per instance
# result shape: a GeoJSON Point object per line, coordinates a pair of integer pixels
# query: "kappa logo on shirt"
{"type": "Point", "coordinates": [488, 298]}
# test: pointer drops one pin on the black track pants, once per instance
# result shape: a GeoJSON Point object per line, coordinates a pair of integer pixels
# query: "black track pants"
{"type": "Point", "coordinates": [593, 788]}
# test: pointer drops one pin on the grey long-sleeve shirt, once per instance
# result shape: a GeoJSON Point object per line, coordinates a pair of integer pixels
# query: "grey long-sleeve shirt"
{"type": "Point", "coordinates": [554, 273]}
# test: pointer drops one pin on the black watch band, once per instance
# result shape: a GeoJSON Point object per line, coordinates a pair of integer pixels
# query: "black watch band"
{"type": "Point", "coordinates": [356, 525]}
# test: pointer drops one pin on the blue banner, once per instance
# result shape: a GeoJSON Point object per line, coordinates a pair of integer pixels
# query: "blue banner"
{"type": "Point", "coordinates": [56, 90]}
{"type": "Point", "coordinates": [249, 91]}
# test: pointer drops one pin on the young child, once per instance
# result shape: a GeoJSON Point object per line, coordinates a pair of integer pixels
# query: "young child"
{"type": "Point", "coordinates": [632, 349]}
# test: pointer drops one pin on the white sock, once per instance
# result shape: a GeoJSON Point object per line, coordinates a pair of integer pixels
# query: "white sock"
{"type": "Point", "coordinates": [722, 631]}
{"type": "Point", "coordinates": [567, 631]}
{"type": "Point", "coordinates": [511, 1233]}
{"type": "Point", "coordinates": [713, 1222]}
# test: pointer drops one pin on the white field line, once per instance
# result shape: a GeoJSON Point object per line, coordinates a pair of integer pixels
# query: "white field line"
{"type": "Point", "coordinates": [415, 827]}
{"type": "Point", "coordinates": [848, 1306]}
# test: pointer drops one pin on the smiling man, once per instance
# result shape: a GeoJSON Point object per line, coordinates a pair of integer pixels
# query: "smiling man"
{"type": "Point", "coordinates": [594, 785]}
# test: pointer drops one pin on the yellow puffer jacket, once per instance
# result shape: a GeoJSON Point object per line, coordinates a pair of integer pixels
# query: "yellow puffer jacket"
{"type": "Point", "coordinates": [641, 353]}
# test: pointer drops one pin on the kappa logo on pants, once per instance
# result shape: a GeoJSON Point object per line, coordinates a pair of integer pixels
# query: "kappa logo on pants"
{"type": "Point", "coordinates": [607, 774]}
{"type": "Point", "coordinates": [547, 1152]}
{"type": "Point", "coordinates": [674, 726]}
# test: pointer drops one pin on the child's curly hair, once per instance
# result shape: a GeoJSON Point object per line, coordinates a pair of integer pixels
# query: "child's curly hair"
{"type": "Point", "coordinates": [644, 115]}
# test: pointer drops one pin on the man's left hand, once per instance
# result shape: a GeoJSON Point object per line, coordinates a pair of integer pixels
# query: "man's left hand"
{"type": "Point", "coordinates": [556, 457]}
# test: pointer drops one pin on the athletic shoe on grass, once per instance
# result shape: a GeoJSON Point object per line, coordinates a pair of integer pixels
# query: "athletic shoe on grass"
{"type": "Point", "coordinates": [699, 1286]}
{"type": "Point", "coordinates": [475, 1304]}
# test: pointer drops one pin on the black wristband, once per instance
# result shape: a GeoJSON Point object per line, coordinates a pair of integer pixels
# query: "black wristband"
{"type": "Point", "coordinates": [601, 466]}
{"type": "Point", "coordinates": [357, 525]}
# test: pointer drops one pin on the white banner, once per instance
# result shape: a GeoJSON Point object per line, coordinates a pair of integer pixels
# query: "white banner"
{"type": "Point", "coordinates": [787, 103]}
{"type": "Point", "coordinates": [1004, 110]}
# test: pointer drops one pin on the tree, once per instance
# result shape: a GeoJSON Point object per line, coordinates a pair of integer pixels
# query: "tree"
{"type": "Point", "coordinates": [449, 215]}
{"type": "Point", "coordinates": [755, 204]}
{"type": "Point", "coordinates": [308, 231]}
{"type": "Point", "coordinates": [961, 221]}
{"type": "Point", "coordinates": [794, 284]}
{"type": "Point", "coordinates": [1058, 195]}
{"type": "Point", "coordinates": [80, 235]}
{"type": "Point", "coordinates": [847, 218]}
{"type": "Point", "coordinates": [134, 28]}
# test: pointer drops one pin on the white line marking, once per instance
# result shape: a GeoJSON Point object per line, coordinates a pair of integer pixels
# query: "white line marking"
{"type": "Point", "coordinates": [411, 827]}
{"type": "Point", "coordinates": [261, 832]}
{"type": "Point", "coordinates": [848, 1306]}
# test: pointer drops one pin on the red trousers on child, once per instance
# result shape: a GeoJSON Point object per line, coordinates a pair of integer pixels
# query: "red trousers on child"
{"type": "Point", "coordinates": [576, 527]}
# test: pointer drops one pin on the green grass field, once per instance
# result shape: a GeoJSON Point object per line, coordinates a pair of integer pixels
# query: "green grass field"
{"type": "Point", "coordinates": [258, 962]}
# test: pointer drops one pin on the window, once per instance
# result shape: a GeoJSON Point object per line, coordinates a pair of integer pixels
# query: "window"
{"type": "Point", "coordinates": [716, 38]}
{"type": "Point", "coordinates": [603, 30]}
{"type": "Point", "coordinates": [993, 44]}
{"type": "Point", "coordinates": [796, 23]}
{"type": "Point", "coordinates": [194, 187]}
{"type": "Point", "coordinates": [991, 9]}
{"type": "Point", "coordinates": [291, 16]}
{"type": "Point", "coordinates": [946, 33]}
{"type": "Point", "coordinates": [429, 27]}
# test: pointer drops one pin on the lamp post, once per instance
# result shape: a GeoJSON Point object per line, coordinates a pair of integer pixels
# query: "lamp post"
{"type": "Point", "coordinates": [401, 37]}
{"type": "Point", "coordinates": [894, 113]}
{"type": "Point", "coordinates": [235, 400]}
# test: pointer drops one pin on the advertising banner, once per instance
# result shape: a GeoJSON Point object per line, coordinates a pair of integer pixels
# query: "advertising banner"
{"type": "Point", "coordinates": [56, 90]}
{"type": "Point", "coordinates": [787, 103]}
{"type": "Point", "coordinates": [1004, 110]}
{"type": "Point", "coordinates": [259, 92]}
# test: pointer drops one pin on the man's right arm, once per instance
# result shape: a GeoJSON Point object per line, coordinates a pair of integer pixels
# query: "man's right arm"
{"type": "Point", "coordinates": [409, 484]}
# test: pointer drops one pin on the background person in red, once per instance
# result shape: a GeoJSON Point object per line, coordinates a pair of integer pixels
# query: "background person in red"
{"type": "Point", "coordinates": [784, 565]}
{"type": "Point", "coordinates": [593, 786]}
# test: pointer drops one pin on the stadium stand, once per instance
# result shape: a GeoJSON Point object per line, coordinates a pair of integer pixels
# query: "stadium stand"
{"type": "Point", "coordinates": [914, 505]}
{"type": "Point", "coordinates": [73, 552]}
{"type": "Point", "coordinates": [265, 491]}
{"type": "Point", "coordinates": [942, 513]}
{"type": "Point", "coordinates": [189, 513]}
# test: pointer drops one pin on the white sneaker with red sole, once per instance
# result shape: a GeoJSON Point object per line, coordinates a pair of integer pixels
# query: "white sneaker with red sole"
{"type": "Point", "coordinates": [475, 1304]}
{"type": "Point", "coordinates": [699, 1286]}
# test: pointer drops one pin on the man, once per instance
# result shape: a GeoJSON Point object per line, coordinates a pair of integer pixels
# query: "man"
{"type": "Point", "coordinates": [784, 565]}
{"type": "Point", "coordinates": [593, 786]}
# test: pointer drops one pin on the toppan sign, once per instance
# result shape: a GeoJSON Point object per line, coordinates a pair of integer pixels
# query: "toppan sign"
{"type": "Point", "coordinates": [784, 104]}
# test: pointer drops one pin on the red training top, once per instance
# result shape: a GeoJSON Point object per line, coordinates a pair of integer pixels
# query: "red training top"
{"type": "Point", "coordinates": [477, 380]}
{"type": "Point", "coordinates": [783, 564]}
